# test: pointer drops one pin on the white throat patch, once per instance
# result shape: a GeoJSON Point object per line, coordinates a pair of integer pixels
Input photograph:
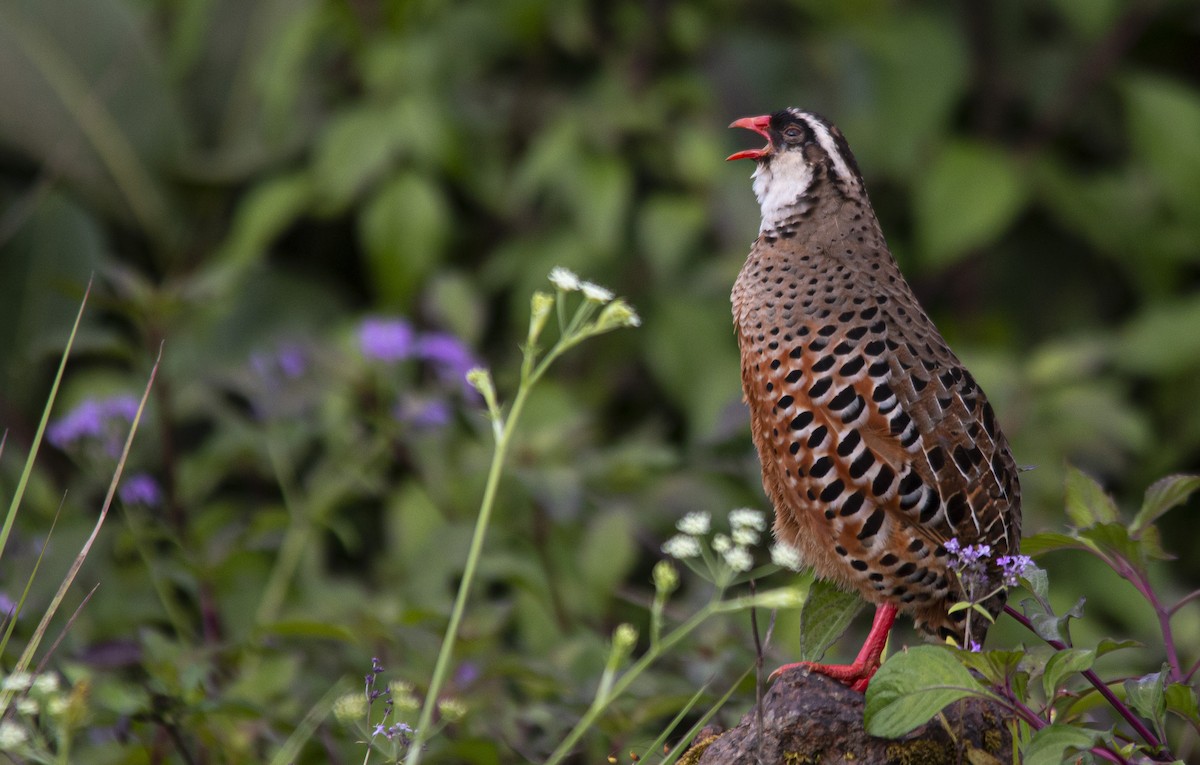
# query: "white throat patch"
{"type": "Point", "coordinates": [780, 187]}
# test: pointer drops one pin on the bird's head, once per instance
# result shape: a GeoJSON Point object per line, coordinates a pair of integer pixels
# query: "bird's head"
{"type": "Point", "coordinates": [803, 149]}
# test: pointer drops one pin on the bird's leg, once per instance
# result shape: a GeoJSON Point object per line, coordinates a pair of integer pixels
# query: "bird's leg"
{"type": "Point", "coordinates": [858, 674]}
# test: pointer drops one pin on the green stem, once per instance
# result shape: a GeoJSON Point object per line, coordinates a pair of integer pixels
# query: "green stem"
{"type": "Point", "coordinates": [291, 549]}
{"type": "Point", "coordinates": [602, 700]}
{"type": "Point", "coordinates": [441, 667]}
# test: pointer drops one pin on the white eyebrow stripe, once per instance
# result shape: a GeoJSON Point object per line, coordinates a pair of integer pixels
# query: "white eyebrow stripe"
{"type": "Point", "coordinates": [825, 138]}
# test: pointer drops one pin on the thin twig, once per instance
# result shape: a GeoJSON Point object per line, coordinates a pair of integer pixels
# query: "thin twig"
{"type": "Point", "coordinates": [1193, 595]}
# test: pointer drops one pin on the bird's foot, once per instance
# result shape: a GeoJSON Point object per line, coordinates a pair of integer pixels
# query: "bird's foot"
{"type": "Point", "coordinates": [856, 676]}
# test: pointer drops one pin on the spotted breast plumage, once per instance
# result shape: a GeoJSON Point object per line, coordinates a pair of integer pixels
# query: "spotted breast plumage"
{"type": "Point", "coordinates": [877, 445]}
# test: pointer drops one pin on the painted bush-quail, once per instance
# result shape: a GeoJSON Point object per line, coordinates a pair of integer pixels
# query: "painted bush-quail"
{"type": "Point", "coordinates": [877, 446]}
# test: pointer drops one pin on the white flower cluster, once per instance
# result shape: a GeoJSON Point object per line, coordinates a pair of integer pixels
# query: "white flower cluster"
{"type": "Point", "coordinates": [616, 313]}
{"type": "Point", "coordinates": [733, 549]}
{"type": "Point", "coordinates": [746, 528]}
{"type": "Point", "coordinates": [566, 280]}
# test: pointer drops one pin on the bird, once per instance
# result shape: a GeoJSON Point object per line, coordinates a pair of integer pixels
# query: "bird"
{"type": "Point", "coordinates": [879, 451]}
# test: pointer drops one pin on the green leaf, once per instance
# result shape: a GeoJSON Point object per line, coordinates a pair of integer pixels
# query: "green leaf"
{"type": "Point", "coordinates": [1051, 626]}
{"type": "Point", "coordinates": [1164, 120]}
{"type": "Point", "coordinates": [1108, 645]}
{"type": "Point", "coordinates": [1181, 700]}
{"type": "Point", "coordinates": [825, 617]}
{"type": "Point", "coordinates": [608, 552]}
{"type": "Point", "coordinates": [1046, 747]}
{"type": "Point", "coordinates": [1113, 540]}
{"type": "Point", "coordinates": [404, 229]}
{"type": "Point", "coordinates": [307, 628]}
{"type": "Point", "coordinates": [1036, 579]}
{"type": "Point", "coordinates": [1039, 544]}
{"type": "Point", "coordinates": [1087, 502]}
{"type": "Point", "coordinates": [967, 198]}
{"type": "Point", "coordinates": [1147, 696]}
{"type": "Point", "coordinates": [913, 686]}
{"type": "Point", "coordinates": [1164, 339]}
{"type": "Point", "coordinates": [995, 666]}
{"type": "Point", "coordinates": [668, 230]}
{"type": "Point", "coordinates": [356, 147]}
{"type": "Point", "coordinates": [264, 213]}
{"type": "Point", "coordinates": [1162, 496]}
{"type": "Point", "coordinates": [1064, 664]}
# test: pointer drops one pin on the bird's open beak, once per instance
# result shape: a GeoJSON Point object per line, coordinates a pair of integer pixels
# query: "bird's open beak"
{"type": "Point", "coordinates": [758, 125]}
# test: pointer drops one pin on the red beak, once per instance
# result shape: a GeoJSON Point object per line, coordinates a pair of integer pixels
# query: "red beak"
{"type": "Point", "coordinates": [758, 125]}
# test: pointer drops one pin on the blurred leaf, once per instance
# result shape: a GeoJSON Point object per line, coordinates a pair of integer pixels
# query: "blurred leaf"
{"type": "Point", "coordinates": [825, 617]}
{"type": "Point", "coordinates": [110, 142]}
{"type": "Point", "coordinates": [403, 229]}
{"type": "Point", "coordinates": [1039, 544]}
{"type": "Point", "coordinates": [1163, 339]}
{"type": "Point", "coordinates": [1090, 19]}
{"type": "Point", "coordinates": [913, 686]}
{"type": "Point", "coordinates": [1163, 495]}
{"type": "Point", "coordinates": [1181, 700]}
{"type": "Point", "coordinates": [920, 71]}
{"type": "Point", "coordinates": [1087, 502]}
{"type": "Point", "coordinates": [1147, 696]}
{"type": "Point", "coordinates": [43, 268]}
{"type": "Point", "coordinates": [266, 211]}
{"type": "Point", "coordinates": [601, 195]}
{"type": "Point", "coordinates": [1047, 745]}
{"type": "Point", "coordinates": [690, 349]}
{"type": "Point", "coordinates": [1114, 210]}
{"type": "Point", "coordinates": [1062, 665]}
{"type": "Point", "coordinates": [669, 229]}
{"type": "Point", "coordinates": [607, 553]}
{"type": "Point", "coordinates": [355, 148]}
{"type": "Point", "coordinates": [302, 628]}
{"type": "Point", "coordinates": [968, 197]}
{"type": "Point", "coordinates": [1108, 645]}
{"type": "Point", "coordinates": [1164, 120]}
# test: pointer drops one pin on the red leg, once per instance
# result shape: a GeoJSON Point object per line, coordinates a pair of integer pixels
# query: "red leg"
{"type": "Point", "coordinates": [858, 674]}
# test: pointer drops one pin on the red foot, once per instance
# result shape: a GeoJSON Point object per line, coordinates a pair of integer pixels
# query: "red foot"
{"type": "Point", "coordinates": [857, 675]}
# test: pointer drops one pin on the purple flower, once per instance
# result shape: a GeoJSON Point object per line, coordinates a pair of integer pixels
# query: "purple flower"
{"type": "Point", "coordinates": [386, 339]}
{"type": "Point", "coordinates": [969, 558]}
{"type": "Point", "coordinates": [293, 361]}
{"type": "Point", "coordinates": [450, 358]}
{"type": "Point", "coordinates": [101, 419]}
{"type": "Point", "coordinates": [287, 361]}
{"type": "Point", "coordinates": [467, 673]}
{"type": "Point", "coordinates": [140, 489]}
{"type": "Point", "coordinates": [426, 414]}
{"type": "Point", "coordinates": [1013, 567]}
{"type": "Point", "coordinates": [446, 352]}
{"type": "Point", "coordinates": [974, 646]}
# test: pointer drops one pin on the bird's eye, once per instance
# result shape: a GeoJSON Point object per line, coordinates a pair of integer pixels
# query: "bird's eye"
{"type": "Point", "coordinates": [792, 133]}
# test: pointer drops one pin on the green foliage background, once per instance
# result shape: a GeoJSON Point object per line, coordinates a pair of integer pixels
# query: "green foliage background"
{"type": "Point", "coordinates": [240, 174]}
